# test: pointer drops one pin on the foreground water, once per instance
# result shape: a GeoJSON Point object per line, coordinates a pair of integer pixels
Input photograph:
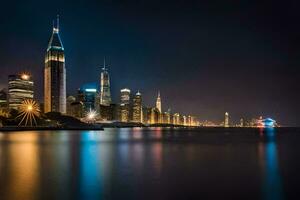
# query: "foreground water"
{"type": "Point", "coordinates": [150, 164]}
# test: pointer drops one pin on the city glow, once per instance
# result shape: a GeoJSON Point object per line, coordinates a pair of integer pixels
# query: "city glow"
{"type": "Point", "coordinates": [29, 110]}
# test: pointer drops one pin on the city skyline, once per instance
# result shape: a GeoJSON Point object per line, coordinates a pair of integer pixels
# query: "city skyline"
{"type": "Point", "coordinates": [265, 86]}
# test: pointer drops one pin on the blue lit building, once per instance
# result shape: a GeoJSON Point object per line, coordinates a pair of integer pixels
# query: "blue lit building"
{"type": "Point", "coordinates": [87, 94]}
{"type": "Point", "coordinates": [268, 123]}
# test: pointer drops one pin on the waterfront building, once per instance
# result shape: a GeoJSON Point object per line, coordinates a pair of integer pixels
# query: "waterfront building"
{"type": "Point", "coordinates": [191, 121]}
{"type": "Point", "coordinates": [20, 87]}
{"type": "Point", "coordinates": [87, 94]}
{"type": "Point", "coordinates": [55, 74]}
{"type": "Point", "coordinates": [115, 112]}
{"type": "Point", "coordinates": [105, 96]}
{"type": "Point", "coordinates": [3, 99]}
{"type": "Point", "coordinates": [241, 122]}
{"type": "Point", "coordinates": [226, 120]}
{"type": "Point", "coordinates": [185, 122]}
{"type": "Point", "coordinates": [158, 102]}
{"type": "Point", "coordinates": [70, 100]}
{"type": "Point", "coordinates": [124, 112]}
{"type": "Point", "coordinates": [137, 108]}
{"type": "Point", "coordinates": [154, 116]}
{"type": "Point", "coordinates": [166, 118]}
{"type": "Point", "coordinates": [146, 115]}
{"type": "Point", "coordinates": [76, 109]}
{"type": "Point", "coordinates": [125, 105]}
{"type": "Point", "coordinates": [106, 112]}
{"type": "Point", "coordinates": [176, 119]}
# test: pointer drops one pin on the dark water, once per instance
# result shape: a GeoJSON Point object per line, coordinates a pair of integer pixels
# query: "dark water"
{"type": "Point", "coordinates": [150, 164]}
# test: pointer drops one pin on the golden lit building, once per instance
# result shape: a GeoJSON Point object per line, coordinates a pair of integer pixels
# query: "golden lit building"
{"type": "Point", "coordinates": [226, 120]}
{"type": "Point", "coordinates": [137, 108]}
{"type": "Point", "coordinates": [176, 119]}
{"type": "Point", "coordinates": [125, 105]}
{"type": "Point", "coordinates": [166, 118]}
{"type": "Point", "coordinates": [55, 74]}
{"type": "Point", "coordinates": [20, 87]}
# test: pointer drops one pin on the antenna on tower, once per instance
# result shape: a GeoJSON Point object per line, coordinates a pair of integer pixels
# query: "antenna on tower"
{"type": "Point", "coordinates": [57, 22]}
{"type": "Point", "coordinates": [104, 64]}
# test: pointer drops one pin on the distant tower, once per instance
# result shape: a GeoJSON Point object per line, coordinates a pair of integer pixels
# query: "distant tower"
{"type": "Point", "coordinates": [226, 120]}
{"type": "Point", "coordinates": [105, 97]}
{"type": "Point", "coordinates": [137, 108]}
{"type": "Point", "coordinates": [20, 87]}
{"type": "Point", "coordinates": [55, 74]}
{"type": "Point", "coordinates": [158, 102]}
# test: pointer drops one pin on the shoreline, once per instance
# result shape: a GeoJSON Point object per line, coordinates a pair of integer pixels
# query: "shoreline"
{"type": "Point", "coordinates": [103, 126]}
{"type": "Point", "coordinates": [16, 128]}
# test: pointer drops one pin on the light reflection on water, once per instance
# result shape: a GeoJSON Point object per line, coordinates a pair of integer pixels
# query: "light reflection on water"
{"type": "Point", "coordinates": [122, 163]}
{"type": "Point", "coordinates": [91, 185]}
{"type": "Point", "coordinates": [272, 183]}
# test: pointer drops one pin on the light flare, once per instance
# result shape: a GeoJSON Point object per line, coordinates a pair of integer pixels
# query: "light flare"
{"type": "Point", "coordinates": [29, 110]}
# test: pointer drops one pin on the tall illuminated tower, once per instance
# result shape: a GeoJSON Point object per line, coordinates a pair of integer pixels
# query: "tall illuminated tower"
{"type": "Point", "coordinates": [55, 74]}
{"type": "Point", "coordinates": [158, 102]}
{"type": "Point", "coordinates": [226, 120]}
{"type": "Point", "coordinates": [105, 97]}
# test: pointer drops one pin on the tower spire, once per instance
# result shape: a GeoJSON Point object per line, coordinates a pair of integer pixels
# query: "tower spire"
{"type": "Point", "coordinates": [104, 64]}
{"type": "Point", "coordinates": [57, 22]}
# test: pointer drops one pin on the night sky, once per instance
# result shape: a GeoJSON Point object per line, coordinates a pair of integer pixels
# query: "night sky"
{"type": "Point", "coordinates": [206, 57]}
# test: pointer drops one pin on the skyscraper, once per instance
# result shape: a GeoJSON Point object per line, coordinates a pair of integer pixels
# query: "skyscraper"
{"type": "Point", "coordinates": [105, 96]}
{"type": "Point", "coordinates": [55, 74]}
{"type": "Point", "coordinates": [124, 105]}
{"type": "Point", "coordinates": [137, 108]}
{"type": "Point", "coordinates": [125, 96]}
{"type": "Point", "coordinates": [158, 102]}
{"type": "Point", "coordinates": [226, 120]}
{"type": "Point", "coordinates": [20, 87]}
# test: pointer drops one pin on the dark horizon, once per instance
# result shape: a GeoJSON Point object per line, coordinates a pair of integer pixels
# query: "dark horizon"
{"type": "Point", "coordinates": [204, 58]}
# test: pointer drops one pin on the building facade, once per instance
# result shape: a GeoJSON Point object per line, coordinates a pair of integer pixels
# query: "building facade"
{"type": "Point", "coordinates": [226, 120]}
{"type": "Point", "coordinates": [87, 94]}
{"type": "Point", "coordinates": [20, 87]}
{"type": "Point", "coordinates": [125, 105]}
{"type": "Point", "coordinates": [137, 108]}
{"type": "Point", "coordinates": [55, 75]}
